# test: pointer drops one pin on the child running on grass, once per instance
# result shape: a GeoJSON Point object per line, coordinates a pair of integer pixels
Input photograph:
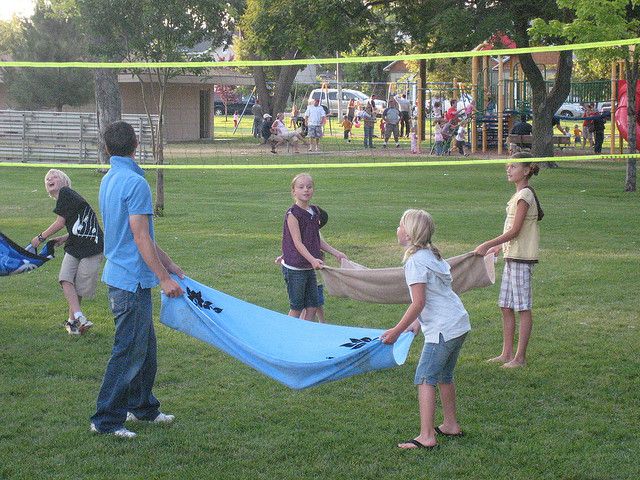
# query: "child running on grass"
{"type": "Point", "coordinates": [302, 249]}
{"type": "Point", "coordinates": [444, 321]}
{"type": "Point", "coordinates": [520, 239]}
{"type": "Point", "coordinates": [83, 246]}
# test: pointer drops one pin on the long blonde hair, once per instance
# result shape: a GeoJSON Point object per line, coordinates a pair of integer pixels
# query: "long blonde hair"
{"type": "Point", "coordinates": [419, 226]}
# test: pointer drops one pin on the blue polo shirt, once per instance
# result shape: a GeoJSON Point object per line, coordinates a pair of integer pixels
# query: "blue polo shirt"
{"type": "Point", "coordinates": [124, 192]}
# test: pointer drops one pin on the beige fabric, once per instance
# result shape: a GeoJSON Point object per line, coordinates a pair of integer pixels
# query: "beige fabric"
{"type": "Point", "coordinates": [83, 274]}
{"type": "Point", "coordinates": [387, 285]}
{"type": "Point", "coordinates": [525, 245]}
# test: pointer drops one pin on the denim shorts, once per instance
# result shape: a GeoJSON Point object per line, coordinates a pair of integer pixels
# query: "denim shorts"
{"type": "Point", "coordinates": [302, 288]}
{"type": "Point", "coordinates": [438, 361]}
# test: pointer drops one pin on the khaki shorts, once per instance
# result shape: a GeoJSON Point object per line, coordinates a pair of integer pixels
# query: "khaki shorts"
{"type": "Point", "coordinates": [83, 274]}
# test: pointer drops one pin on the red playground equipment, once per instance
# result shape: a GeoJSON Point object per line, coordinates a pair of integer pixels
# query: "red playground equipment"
{"type": "Point", "coordinates": [621, 110]}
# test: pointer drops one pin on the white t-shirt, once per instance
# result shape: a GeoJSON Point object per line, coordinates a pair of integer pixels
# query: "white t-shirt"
{"type": "Point", "coordinates": [404, 105]}
{"type": "Point", "coordinates": [315, 115]}
{"type": "Point", "coordinates": [280, 128]}
{"type": "Point", "coordinates": [443, 311]}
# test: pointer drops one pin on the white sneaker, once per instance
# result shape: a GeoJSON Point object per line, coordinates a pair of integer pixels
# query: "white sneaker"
{"type": "Point", "coordinates": [121, 432]}
{"type": "Point", "coordinates": [72, 327]}
{"type": "Point", "coordinates": [83, 323]}
{"type": "Point", "coordinates": [161, 418]}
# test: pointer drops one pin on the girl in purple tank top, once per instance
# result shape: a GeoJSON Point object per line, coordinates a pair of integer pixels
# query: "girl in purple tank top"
{"type": "Point", "coordinates": [302, 248]}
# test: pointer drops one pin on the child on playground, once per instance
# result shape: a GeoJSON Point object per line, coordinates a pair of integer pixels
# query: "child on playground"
{"type": "Point", "coordinates": [83, 247]}
{"type": "Point", "coordinates": [461, 138]}
{"type": "Point", "coordinates": [438, 311]}
{"type": "Point", "coordinates": [439, 138]}
{"type": "Point", "coordinates": [520, 249]}
{"type": "Point", "coordinates": [347, 125]}
{"type": "Point", "coordinates": [235, 119]}
{"type": "Point", "coordinates": [413, 136]}
{"type": "Point", "coordinates": [382, 125]}
{"type": "Point", "coordinates": [577, 134]}
{"type": "Point", "coordinates": [302, 249]}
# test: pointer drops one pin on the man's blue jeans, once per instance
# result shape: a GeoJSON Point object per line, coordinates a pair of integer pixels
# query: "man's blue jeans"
{"type": "Point", "coordinates": [131, 370]}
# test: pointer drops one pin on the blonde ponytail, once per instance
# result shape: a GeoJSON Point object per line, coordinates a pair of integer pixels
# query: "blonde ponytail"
{"type": "Point", "coordinates": [419, 227]}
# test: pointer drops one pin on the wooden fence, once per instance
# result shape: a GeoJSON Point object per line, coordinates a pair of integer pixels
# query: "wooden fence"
{"type": "Point", "coordinates": [62, 136]}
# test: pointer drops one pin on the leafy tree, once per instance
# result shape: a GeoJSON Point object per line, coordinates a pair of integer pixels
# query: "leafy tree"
{"type": "Point", "coordinates": [47, 37]}
{"type": "Point", "coordinates": [434, 25]}
{"type": "Point", "coordinates": [227, 93]}
{"type": "Point", "coordinates": [147, 30]}
{"type": "Point", "coordinates": [10, 32]}
{"type": "Point", "coordinates": [599, 21]}
{"type": "Point", "coordinates": [289, 29]}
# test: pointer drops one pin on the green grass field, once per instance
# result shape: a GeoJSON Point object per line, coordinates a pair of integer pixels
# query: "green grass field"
{"type": "Point", "coordinates": [572, 413]}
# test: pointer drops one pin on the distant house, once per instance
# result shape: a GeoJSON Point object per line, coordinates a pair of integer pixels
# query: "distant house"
{"type": "Point", "coordinates": [546, 61]}
{"type": "Point", "coordinates": [189, 101]}
{"type": "Point", "coordinates": [399, 71]}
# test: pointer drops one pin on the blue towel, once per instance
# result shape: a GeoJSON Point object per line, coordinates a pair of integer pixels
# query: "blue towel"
{"type": "Point", "coordinates": [15, 259]}
{"type": "Point", "coordinates": [297, 353]}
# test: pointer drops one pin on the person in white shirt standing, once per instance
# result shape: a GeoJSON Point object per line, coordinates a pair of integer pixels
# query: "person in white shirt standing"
{"type": "Point", "coordinates": [404, 106]}
{"type": "Point", "coordinates": [315, 118]}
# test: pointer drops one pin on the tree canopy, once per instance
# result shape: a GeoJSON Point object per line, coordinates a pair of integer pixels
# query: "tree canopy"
{"type": "Point", "coordinates": [288, 29]}
{"type": "Point", "coordinates": [46, 37]}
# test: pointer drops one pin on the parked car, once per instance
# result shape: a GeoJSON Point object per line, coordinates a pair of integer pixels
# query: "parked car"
{"type": "Point", "coordinates": [570, 109]}
{"type": "Point", "coordinates": [604, 107]}
{"type": "Point", "coordinates": [329, 99]}
{"type": "Point", "coordinates": [238, 105]}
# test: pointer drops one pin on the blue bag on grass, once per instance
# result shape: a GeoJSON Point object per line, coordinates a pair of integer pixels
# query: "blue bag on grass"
{"type": "Point", "coordinates": [15, 259]}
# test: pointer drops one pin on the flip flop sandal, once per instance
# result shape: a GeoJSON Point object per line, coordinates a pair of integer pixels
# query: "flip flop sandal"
{"type": "Point", "coordinates": [419, 445]}
{"type": "Point", "coordinates": [440, 432]}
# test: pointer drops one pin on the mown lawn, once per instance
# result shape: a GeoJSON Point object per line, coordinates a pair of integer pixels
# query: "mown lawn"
{"type": "Point", "coordinates": [572, 413]}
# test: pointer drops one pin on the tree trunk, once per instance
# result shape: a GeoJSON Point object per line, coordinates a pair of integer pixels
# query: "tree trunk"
{"type": "Point", "coordinates": [108, 105]}
{"type": "Point", "coordinates": [163, 79]}
{"type": "Point", "coordinates": [631, 74]}
{"type": "Point", "coordinates": [260, 79]}
{"type": "Point", "coordinates": [544, 105]}
{"type": "Point", "coordinates": [285, 77]}
{"type": "Point", "coordinates": [283, 87]}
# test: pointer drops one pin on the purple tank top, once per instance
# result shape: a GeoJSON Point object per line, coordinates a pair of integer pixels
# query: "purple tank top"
{"type": "Point", "coordinates": [310, 233]}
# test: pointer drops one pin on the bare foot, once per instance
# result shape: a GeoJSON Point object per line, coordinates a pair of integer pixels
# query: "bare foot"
{"type": "Point", "coordinates": [514, 364]}
{"type": "Point", "coordinates": [500, 359]}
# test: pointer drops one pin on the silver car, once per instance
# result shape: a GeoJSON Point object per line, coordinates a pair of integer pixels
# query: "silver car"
{"type": "Point", "coordinates": [329, 99]}
{"type": "Point", "coordinates": [570, 109]}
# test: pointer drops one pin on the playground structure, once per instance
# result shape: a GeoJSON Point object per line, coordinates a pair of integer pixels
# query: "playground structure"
{"type": "Point", "coordinates": [619, 104]}
{"type": "Point", "coordinates": [512, 98]}
{"type": "Point", "coordinates": [499, 91]}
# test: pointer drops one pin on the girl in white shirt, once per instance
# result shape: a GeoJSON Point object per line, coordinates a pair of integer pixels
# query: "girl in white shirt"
{"type": "Point", "coordinates": [438, 311]}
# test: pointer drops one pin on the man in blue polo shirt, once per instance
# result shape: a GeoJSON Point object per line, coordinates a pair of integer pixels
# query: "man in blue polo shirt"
{"type": "Point", "coordinates": [134, 265]}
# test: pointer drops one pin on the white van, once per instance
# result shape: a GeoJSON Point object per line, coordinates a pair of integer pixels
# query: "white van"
{"type": "Point", "coordinates": [329, 99]}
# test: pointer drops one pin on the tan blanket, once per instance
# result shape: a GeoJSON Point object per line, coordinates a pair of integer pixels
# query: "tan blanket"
{"type": "Point", "coordinates": [387, 285]}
